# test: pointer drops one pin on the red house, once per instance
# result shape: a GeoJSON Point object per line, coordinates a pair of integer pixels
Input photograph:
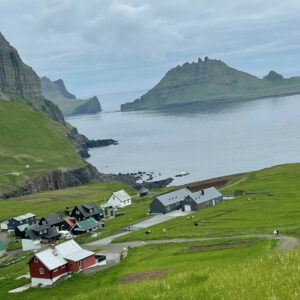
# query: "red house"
{"type": "Point", "coordinates": [49, 265]}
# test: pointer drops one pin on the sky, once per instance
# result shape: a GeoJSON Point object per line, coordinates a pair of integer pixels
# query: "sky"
{"type": "Point", "coordinates": [114, 46]}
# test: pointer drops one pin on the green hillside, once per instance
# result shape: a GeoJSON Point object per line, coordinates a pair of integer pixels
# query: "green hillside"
{"type": "Point", "coordinates": [30, 138]}
{"type": "Point", "coordinates": [273, 202]}
{"type": "Point", "coordinates": [68, 104]}
{"type": "Point", "coordinates": [211, 80]}
{"type": "Point", "coordinates": [226, 268]}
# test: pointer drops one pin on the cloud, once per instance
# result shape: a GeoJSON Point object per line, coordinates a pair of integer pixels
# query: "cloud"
{"type": "Point", "coordinates": [108, 45]}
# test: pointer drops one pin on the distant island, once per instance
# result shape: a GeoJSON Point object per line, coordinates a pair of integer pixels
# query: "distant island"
{"type": "Point", "coordinates": [56, 92]}
{"type": "Point", "coordinates": [212, 80]}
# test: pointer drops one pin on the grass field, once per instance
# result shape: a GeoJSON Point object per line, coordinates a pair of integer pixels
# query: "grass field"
{"type": "Point", "coordinates": [278, 208]}
{"type": "Point", "coordinates": [147, 258]}
{"type": "Point", "coordinates": [30, 138]}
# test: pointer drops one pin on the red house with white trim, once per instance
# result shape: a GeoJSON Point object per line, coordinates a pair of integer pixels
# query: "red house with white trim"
{"type": "Point", "coordinates": [49, 265]}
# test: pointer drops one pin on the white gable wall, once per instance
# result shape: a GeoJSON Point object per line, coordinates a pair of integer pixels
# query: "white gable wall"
{"type": "Point", "coordinates": [114, 201]}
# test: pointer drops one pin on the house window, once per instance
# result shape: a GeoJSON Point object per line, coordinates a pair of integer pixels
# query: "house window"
{"type": "Point", "coordinates": [36, 260]}
{"type": "Point", "coordinates": [55, 270]}
{"type": "Point", "coordinates": [63, 266]}
{"type": "Point", "coordinates": [42, 271]}
{"type": "Point", "coordinates": [77, 212]}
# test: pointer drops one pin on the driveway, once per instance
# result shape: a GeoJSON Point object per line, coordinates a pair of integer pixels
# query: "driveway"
{"type": "Point", "coordinates": [161, 218]}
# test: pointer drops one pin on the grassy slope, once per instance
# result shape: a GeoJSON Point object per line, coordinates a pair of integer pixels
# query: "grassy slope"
{"type": "Point", "coordinates": [257, 213]}
{"type": "Point", "coordinates": [105, 284]}
{"type": "Point", "coordinates": [253, 272]}
{"type": "Point", "coordinates": [28, 137]}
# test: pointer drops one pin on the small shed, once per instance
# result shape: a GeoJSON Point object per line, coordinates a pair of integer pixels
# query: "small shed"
{"type": "Point", "coordinates": [143, 191]}
{"type": "Point", "coordinates": [119, 199]}
{"type": "Point", "coordinates": [107, 211]}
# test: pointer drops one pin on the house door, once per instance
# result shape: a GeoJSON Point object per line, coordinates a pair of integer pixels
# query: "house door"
{"type": "Point", "coordinates": [187, 208]}
{"type": "Point", "coordinates": [80, 265]}
{"type": "Point", "coordinates": [111, 213]}
{"type": "Point", "coordinates": [214, 202]}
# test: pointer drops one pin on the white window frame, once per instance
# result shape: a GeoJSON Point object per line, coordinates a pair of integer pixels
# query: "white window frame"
{"type": "Point", "coordinates": [42, 271]}
{"type": "Point", "coordinates": [63, 266]}
{"type": "Point", "coordinates": [36, 260]}
{"type": "Point", "coordinates": [55, 270]}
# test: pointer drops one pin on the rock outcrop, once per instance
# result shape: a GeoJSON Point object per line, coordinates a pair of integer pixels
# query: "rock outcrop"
{"type": "Point", "coordinates": [57, 180]}
{"type": "Point", "coordinates": [211, 80]}
{"type": "Point", "coordinates": [67, 102]}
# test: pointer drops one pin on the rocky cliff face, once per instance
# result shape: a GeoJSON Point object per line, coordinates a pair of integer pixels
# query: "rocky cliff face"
{"type": "Point", "coordinates": [15, 76]}
{"type": "Point", "coordinates": [67, 102]}
{"type": "Point", "coordinates": [211, 80]}
{"type": "Point", "coordinates": [56, 180]}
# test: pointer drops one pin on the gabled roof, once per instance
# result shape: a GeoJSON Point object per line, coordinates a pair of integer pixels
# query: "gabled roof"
{"type": "Point", "coordinates": [84, 209]}
{"type": "Point", "coordinates": [206, 195]}
{"type": "Point", "coordinates": [51, 258]}
{"type": "Point", "coordinates": [25, 226]}
{"type": "Point", "coordinates": [174, 197]}
{"type": "Point", "coordinates": [24, 217]}
{"type": "Point", "coordinates": [122, 195]}
{"type": "Point", "coordinates": [72, 251]}
{"type": "Point", "coordinates": [180, 195]}
{"type": "Point", "coordinates": [87, 223]}
{"type": "Point", "coordinates": [53, 219]}
{"type": "Point", "coordinates": [34, 233]}
{"type": "Point", "coordinates": [103, 206]}
{"type": "Point", "coordinates": [70, 221]}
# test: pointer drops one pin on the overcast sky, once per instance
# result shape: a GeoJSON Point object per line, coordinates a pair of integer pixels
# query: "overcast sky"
{"type": "Point", "coordinates": [107, 46]}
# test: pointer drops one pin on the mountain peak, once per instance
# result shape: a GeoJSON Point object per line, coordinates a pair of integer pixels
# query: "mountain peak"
{"type": "Point", "coordinates": [274, 76]}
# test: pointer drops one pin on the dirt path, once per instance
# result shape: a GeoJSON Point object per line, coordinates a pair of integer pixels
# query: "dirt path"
{"type": "Point", "coordinates": [243, 179]}
{"type": "Point", "coordinates": [113, 251]}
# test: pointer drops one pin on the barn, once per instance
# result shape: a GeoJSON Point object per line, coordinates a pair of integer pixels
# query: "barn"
{"type": "Point", "coordinates": [186, 200]}
{"type": "Point", "coordinates": [119, 199]}
{"type": "Point", "coordinates": [202, 199]}
{"type": "Point", "coordinates": [49, 265]}
{"type": "Point", "coordinates": [169, 201]}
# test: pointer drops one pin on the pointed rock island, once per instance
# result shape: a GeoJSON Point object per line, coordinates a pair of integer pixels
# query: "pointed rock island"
{"type": "Point", "coordinates": [211, 80]}
{"type": "Point", "coordinates": [57, 92]}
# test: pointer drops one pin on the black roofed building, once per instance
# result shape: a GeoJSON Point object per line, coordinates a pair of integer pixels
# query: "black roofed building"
{"type": "Point", "coordinates": [54, 220]}
{"type": "Point", "coordinates": [186, 200]}
{"type": "Point", "coordinates": [86, 211]}
{"type": "Point", "coordinates": [42, 232]}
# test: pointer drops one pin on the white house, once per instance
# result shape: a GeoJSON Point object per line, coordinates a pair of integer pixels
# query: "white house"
{"type": "Point", "coordinates": [119, 199]}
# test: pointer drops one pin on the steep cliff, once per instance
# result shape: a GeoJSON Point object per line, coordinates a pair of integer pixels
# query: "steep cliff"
{"type": "Point", "coordinates": [67, 102]}
{"type": "Point", "coordinates": [36, 142]}
{"type": "Point", "coordinates": [211, 80]}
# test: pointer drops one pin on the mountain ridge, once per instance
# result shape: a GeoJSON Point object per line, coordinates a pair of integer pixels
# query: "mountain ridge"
{"type": "Point", "coordinates": [211, 80]}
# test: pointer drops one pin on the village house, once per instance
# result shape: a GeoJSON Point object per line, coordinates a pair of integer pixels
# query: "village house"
{"type": "Point", "coordinates": [20, 231]}
{"type": "Point", "coordinates": [86, 211]}
{"type": "Point", "coordinates": [54, 220]}
{"type": "Point", "coordinates": [43, 232]}
{"type": "Point", "coordinates": [107, 211]}
{"type": "Point", "coordinates": [68, 223]}
{"type": "Point", "coordinates": [186, 200]}
{"type": "Point", "coordinates": [85, 226]}
{"type": "Point", "coordinates": [49, 265]}
{"type": "Point", "coordinates": [28, 218]}
{"type": "Point", "coordinates": [119, 199]}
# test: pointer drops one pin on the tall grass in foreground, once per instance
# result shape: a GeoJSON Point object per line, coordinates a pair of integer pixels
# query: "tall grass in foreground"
{"type": "Point", "coordinates": [275, 277]}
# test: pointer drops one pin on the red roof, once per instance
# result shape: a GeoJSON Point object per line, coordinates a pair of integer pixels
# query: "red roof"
{"type": "Point", "coordinates": [70, 222]}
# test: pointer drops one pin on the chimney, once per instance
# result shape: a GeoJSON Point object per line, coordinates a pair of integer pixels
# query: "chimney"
{"type": "Point", "coordinates": [202, 192]}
